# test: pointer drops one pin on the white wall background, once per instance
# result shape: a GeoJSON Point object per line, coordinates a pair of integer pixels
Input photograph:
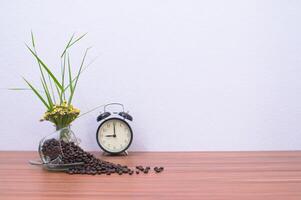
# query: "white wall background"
{"type": "Point", "coordinates": [196, 75]}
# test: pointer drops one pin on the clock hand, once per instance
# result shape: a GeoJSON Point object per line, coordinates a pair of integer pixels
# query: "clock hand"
{"type": "Point", "coordinates": [109, 135]}
{"type": "Point", "coordinates": [114, 129]}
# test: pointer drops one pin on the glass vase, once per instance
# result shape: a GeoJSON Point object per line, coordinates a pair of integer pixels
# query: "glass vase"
{"type": "Point", "coordinates": [51, 149]}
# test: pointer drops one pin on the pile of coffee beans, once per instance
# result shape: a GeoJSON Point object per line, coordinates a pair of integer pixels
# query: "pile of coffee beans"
{"type": "Point", "coordinates": [72, 153]}
{"type": "Point", "coordinates": [51, 149]}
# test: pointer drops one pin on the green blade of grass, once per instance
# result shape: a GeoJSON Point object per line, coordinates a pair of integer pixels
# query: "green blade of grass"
{"type": "Point", "coordinates": [79, 38]}
{"type": "Point", "coordinates": [59, 93]}
{"type": "Point", "coordinates": [91, 110]}
{"type": "Point", "coordinates": [67, 46]}
{"type": "Point", "coordinates": [63, 66]}
{"type": "Point", "coordinates": [32, 40]}
{"type": "Point", "coordinates": [50, 103]}
{"type": "Point", "coordinates": [63, 75]}
{"type": "Point", "coordinates": [70, 75]}
{"type": "Point", "coordinates": [51, 87]}
{"type": "Point", "coordinates": [70, 43]}
{"type": "Point", "coordinates": [23, 89]}
{"type": "Point", "coordinates": [19, 88]}
{"type": "Point", "coordinates": [46, 68]}
{"type": "Point", "coordinates": [84, 69]}
{"type": "Point", "coordinates": [78, 74]}
{"type": "Point", "coordinates": [37, 93]}
{"type": "Point", "coordinates": [41, 70]}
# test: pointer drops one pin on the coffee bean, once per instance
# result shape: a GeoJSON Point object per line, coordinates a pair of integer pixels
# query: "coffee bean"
{"type": "Point", "coordinates": [156, 169]}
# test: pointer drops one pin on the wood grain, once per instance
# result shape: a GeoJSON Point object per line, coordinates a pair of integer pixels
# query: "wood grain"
{"type": "Point", "coordinates": [190, 175]}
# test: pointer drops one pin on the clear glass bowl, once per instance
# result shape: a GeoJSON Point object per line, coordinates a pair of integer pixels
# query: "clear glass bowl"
{"type": "Point", "coordinates": [51, 149]}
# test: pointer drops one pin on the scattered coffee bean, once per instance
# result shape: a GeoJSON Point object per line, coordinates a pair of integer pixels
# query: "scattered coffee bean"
{"type": "Point", "coordinates": [158, 169]}
{"type": "Point", "coordinates": [140, 168]}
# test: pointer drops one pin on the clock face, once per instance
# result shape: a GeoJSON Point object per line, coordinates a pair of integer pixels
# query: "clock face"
{"type": "Point", "coordinates": [114, 135]}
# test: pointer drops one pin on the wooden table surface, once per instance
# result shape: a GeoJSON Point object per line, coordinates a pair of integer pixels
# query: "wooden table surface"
{"type": "Point", "coordinates": [190, 175]}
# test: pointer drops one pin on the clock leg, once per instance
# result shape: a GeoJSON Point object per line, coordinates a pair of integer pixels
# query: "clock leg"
{"type": "Point", "coordinates": [105, 153]}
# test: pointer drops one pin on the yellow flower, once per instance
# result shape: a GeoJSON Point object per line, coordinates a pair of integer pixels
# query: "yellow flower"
{"type": "Point", "coordinates": [64, 112]}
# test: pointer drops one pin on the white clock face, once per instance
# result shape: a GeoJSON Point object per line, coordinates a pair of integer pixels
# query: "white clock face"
{"type": "Point", "coordinates": [114, 135]}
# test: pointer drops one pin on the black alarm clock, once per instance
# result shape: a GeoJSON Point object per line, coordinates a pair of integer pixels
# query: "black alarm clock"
{"type": "Point", "coordinates": [114, 135]}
